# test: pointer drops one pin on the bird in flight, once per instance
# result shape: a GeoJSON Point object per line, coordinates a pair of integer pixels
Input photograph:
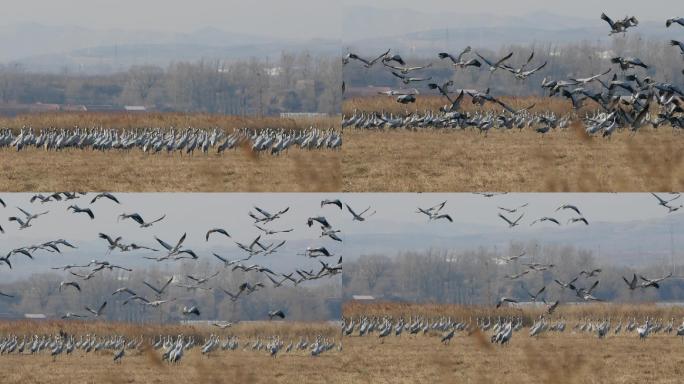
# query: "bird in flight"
{"type": "Point", "coordinates": [512, 223]}
{"type": "Point", "coordinates": [675, 20]}
{"type": "Point", "coordinates": [494, 65]}
{"type": "Point", "coordinates": [513, 210]}
{"type": "Point", "coordinates": [216, 230]}
{"type": "Point", "coordinates": [359, 216]}
{"type": "Point", "coordinates": [265, 215]}
{"type": "Point", "coordinates": [277, 313]}
{"type": "Point", "coordinates": [433, 213]}
{"type": "Point", "coordinates": [98, 312]}
{"type": "Point", "coordinates": [619, 26]}
{"type": "Point", "coordinates": [77, 209]}
{"type": "Point", "coordinates": [106, 195]}
{"type": "Point", "coordinates": [408, 79]}
{"type": "Point", "coordinates": [272, 231]}
{"type": "Point", "coordinates": [505, 300]}
{"type": "Point", "coordinates": [545, 218]}
{"type": "Point", "coordinates": [458, 61]}
{"type": "Point", "coordinates": [138, 219]}
{"type": "Point", "coordinates": [336, 202]}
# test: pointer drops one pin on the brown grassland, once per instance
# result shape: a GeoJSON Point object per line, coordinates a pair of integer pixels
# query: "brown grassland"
{"type": "Point", "coordinates": [469, 358]}
{"type": "Point", "coordinates": [433, 103]}
{"type": "Point", "coordinates": [145, 366]}
{"type": "Point", "coordinates": [567, 357]}
{"type": "Point", "coordinates": [234, 171]}
{"type": "Point", "coordinates": [568, 312]}
{"type": "Point", "coordinates": [433, 160]}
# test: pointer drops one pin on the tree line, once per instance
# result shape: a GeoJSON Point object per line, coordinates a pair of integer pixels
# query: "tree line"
{"type": "Point", "coordinates": [580, 59]}
{"type": "Point", "coordinates": [296, 82]}
{"type": "Point", "coordinates": [479, 276]}
{"type": "Point", "coordinates": [40, 293]}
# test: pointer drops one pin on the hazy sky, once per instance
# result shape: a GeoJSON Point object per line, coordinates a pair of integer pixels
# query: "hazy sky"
{"type": "Point", "coordinates": [291, 19]}
{"type": "Point", "coordinates": [286, 19]}
{"type": "Point", "coordinates": [396, 215]}
{"type": "Point", "coordinates": [195, 213]}
{"type": "Point", "coordinates": [654, 10]}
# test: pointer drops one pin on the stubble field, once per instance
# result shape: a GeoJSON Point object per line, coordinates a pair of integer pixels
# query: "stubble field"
{"type": "Point", "coordinates": [564, 160]}
{"type": "Point", "coordinates": [549, 359]}
{"type": "Point", "coordinates": [242, 365]}
{"type": "Point", "coordinates": [238, 170]}
{"type": "Point", "coordinates": [572, 356]}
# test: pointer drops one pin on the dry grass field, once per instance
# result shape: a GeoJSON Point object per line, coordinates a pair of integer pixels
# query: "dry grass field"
{"type": "Point", "coordinates": [567, 357]}
{"type": "Point", "coordinates": [552, 358]}
{"type": "Point", "coordinates": [469, 358]}
{"type": "Point", "coordinates": [145, 366]}
{"type": "Point", "coordinates": [437, 161]}
{"type": "Point", "coordinates": [433, 103]}
{"type": "Point", "coordinates": [153, 120]}
{"type": "Point", "coordinates": [512, 161]}
{"type": "Point", "coordinates": [233, 171]}
{"type": "Point", "coordinates": [529, 314]}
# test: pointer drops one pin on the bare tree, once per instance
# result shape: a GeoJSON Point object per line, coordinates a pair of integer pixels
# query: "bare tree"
{"type": "Point", "coordinates": [142, 79]}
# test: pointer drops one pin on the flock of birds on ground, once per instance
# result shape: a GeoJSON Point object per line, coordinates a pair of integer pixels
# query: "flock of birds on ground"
{"type": "Point", "coordinates": [500, 327]}
{"type": "Point", "coordinates": [625, 101]}
{"type": "Point", "coordinates": [172, 348]}
{"type": "Point", "coordinates": [78, 275]}
{"type": "Point", "coordinates": [155, 140]}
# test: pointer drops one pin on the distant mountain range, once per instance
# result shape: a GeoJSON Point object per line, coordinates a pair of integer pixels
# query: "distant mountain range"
{"type": "Point", "coordinates": [52, 48]}
{"type": "Point", "coordinates": [366, 29]}
{"type": "Point", "coordinates": [634, 243]}
{"type": "Point", "coordinates": [421, 33]}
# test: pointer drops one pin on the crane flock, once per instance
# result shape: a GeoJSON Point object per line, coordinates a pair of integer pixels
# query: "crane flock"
{"type": "Point", "coordinates": [79, 275]}
{"type": "Point", "coordinates": [157, 293]}
{"type": "Point", "coordinates": [502, 328]}
{"type": "Point", "coordinates": [501, 325]}
{"type": "Point", "coordinates": [171, 348]}
{"type": "Point", "coordinates": [78, 278]}
{"type": "Point", "coordinates": [629, 100]}
{"type": "Point", "coordinates": [275, 141]}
